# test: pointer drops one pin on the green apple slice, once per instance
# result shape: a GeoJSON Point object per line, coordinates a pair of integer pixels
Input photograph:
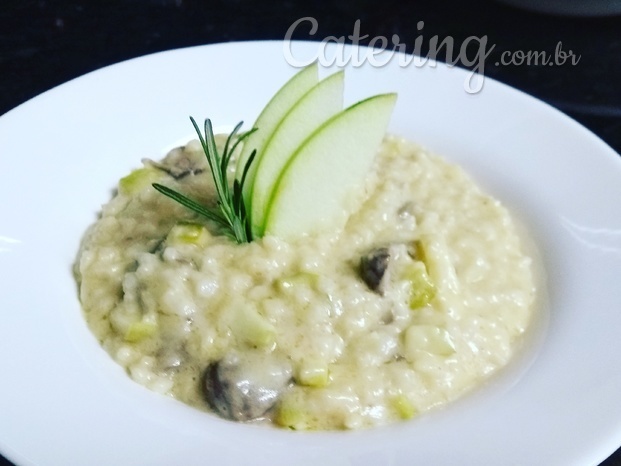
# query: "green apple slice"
{"type": "Point", "coordinates": [270, 117]}
{"type": "Point", "coordinates": [328, 170]}
{"type": "Point", "coordinates": [316, 106]}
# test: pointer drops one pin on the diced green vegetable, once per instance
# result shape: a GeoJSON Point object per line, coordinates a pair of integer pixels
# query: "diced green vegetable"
{"type": "Point", "coordinates": [138, 180]}
{"type": "Point", "coordinates": [140, 330]}
{"type": "Point", "coordinates": [422, 289]}
{"type": "Point", "coordinates": [188, 233]}
{"type": "Point", "coordinates": [438, 261]}
{"type": "Point", "coordinates": [252, 328]}
{"type": "Point", "coordinates": [312, 373]}
{"type": "Point", "coordinates": [419, 251]}
{"type": "Point", "coordinates": [428, 338]}
{"type": "Point", "coordinates": [291, 413]}
{"type": "Point", "coordinates": [404, 407]}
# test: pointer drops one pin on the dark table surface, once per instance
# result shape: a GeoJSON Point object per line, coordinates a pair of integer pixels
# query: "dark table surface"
{"type": "Point", "coordinates": [45, 43]}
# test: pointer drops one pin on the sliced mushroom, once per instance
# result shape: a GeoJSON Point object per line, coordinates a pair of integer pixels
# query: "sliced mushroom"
{"type": "Point", "coordinates": [244, 386]}
{"type": "Point", "coordinates": [180, 163]}
{"type": "Point", "coordinates": [373, 268]}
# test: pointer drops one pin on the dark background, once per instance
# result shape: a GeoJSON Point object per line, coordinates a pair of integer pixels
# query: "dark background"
{"type": "Point", "coordinates": [45, 43]}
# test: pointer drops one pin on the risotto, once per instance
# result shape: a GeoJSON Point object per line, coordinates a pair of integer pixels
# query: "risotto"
{"type": "Point", "coordinates": [422, 296]}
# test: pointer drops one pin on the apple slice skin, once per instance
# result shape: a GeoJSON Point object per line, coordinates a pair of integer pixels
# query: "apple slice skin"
{"type": "Point", "coordinates": [271, 115]}
{"type": "Point", "coordinates": [329, 168]}
{"type": "Point", "coordinates": [318, 105]}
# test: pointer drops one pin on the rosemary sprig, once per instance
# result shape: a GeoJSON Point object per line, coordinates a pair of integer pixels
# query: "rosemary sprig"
{"type": "Point", "coordinates": [232, 215]}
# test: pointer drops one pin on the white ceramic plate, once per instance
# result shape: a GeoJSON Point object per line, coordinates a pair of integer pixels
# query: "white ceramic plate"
{"type": "Point", "coordinates": [64, 401]}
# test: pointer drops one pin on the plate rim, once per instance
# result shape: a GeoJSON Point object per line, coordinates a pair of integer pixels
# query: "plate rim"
{"type": "Point", "coordinates": [25, 107]}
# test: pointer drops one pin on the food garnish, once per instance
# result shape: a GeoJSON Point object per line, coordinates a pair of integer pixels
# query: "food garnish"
{"type": "Point", "coordinates": [310, 158]}
{"type": "Point", "coordinates": [315, 189]}
{"type": "Point", "coordinates": [318, 105]}
{"type": "Point", "coordinates": [232, 214]}
{"type": "Point", "coordinates": [270, 119]}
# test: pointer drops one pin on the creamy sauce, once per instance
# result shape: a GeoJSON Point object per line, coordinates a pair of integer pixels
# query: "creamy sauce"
{"type": "Point", "coordinates": [185, 310]}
